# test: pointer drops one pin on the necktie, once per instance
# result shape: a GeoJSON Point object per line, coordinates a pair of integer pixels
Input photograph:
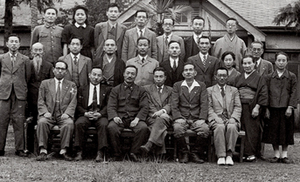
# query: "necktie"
{"type": "Point", "coordinates": [13, 59]}
{"type": "Point", "coordinates": [143, 60]}
{"type": "Point", "coordinates": [166, 41]}
{"type": "Point", "coordinates": [112, 29]}
{"type": "Point", "coordinates": [141, 33]}
{"type": "Point", "coordinates": [75, 60]}
{"type": "Point", "coordinates": [94, 105]}
{"type": "Point", "coordinates": [57, 101]}
{"type": "Point", "coordinates": [222, 91]}
{"type": "Point", "coordinates": [204, 60]}
{"type": "Point", "coordinates": [159, 89]}
{"type": "Point", "coordinates": [174, 65]}
{"type": "Point", "coordinates": [198, 40]}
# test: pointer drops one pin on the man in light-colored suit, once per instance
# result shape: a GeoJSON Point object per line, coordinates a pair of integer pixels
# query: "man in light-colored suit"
{"type": "Point", "coordinates": [168, 36]}
{"type": "Point", "coordinates": [205, 64]}
{"type": "Point", "coordinates": [129, 48]}
{"type": "Point", "coordinates": [56, 106]}
{"type": "Point", "coordinates": [159, 119]}
{"type": "Point", "coordinates": [79, 66]}
{"type": "Point", "coordinates": [263, 67]}
{"type": "Point", "coordinates": [224, 113]}
{"type": "Point", "coordinates": [144, 63]}
{"type": "Point", "coordinates": [109, 30]}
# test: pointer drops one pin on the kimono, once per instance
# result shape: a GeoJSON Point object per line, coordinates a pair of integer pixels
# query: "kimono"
{"type": "Point", "coordinates": [231, 78]}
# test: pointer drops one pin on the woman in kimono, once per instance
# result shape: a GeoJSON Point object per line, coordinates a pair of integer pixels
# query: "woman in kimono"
{"type": "Point", "coordinates": [228, 60]}
{"type": "Point", "coordinates": [279, 129]}
{"type": "Point", "coordinates": [254, 97]}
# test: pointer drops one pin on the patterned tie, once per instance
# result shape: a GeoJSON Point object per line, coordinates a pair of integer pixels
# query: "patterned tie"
{"type": "Point", "coordinates": [204, 60]}
{"type": "Point", "coordinates": [75, 60]}
{"type": "Point", "coordinates": [141, 33]}
{"type": "Point", "coordinates": [94, 104]}
{"type": "Point", "coordinates": [166, 41]}
{"type": "Point", "coordinates": [13, 58]}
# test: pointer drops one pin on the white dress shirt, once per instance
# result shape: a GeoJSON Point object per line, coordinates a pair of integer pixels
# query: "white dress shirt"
{"type": "Point", "coordinates": [194, 84]}
{"type": "Point", "coordinates": [91, 93]}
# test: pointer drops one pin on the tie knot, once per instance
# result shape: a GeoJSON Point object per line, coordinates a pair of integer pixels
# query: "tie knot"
{"type": "Point", "coordinates": [143, 60]}
{"type": "Point", "coordinates": [59, 82]}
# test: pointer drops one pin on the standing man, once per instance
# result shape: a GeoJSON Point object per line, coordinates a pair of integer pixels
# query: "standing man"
{"type": "Point", "coordinates": [189, 107]}
{"type": "Point", "coordinates": [174, 65]}
{"type": "Point", "coordinates": [230, 42]}
{"type": "Point", "coordinates": [79, 66]}
{"type": "Point", "coordinates": [205, 65]}
{"type": "Point", "coordinates": [109, 30]}
{"type": "Point", "coordinates": [263, 67]}
{"type": "Point", "coordinates": [56, 106]}
{"type": "Point", "coordinates": [168, 36]}
{"type": "Point", "coordinates": [143, 62]}
{"type": "Point", "coordinates": [159, 118]}
{"type": "Point", "coordinates": [92, 110]}
{"type": "Point", "coordinates": [224, 113]}
{"type": "Point", "coordinates": [15, 71]}
{"type": "Point", "coordinates": [42, 71]}
{"type": "Point", "coordinates": [129, 47]}
{"type": "Point", "coordinates": [128, 108]}
{"type": "Point", "coordinates": [191, 43]}
{"type": "Point", "coordinates": [49, 35]}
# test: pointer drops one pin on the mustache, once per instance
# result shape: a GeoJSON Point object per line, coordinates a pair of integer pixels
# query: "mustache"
{"type": "Point", "coordinates": [37, 55]}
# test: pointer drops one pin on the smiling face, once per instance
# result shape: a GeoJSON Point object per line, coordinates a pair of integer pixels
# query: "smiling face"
{"type": "Point", "coordinates": [189, 71]}
{"type": "Point", "coordinates": [80, 16]}
{"type": "Point", "coordinates": [248, 64]}
{"type": "Point", "coordinates": [281, 62]}
{"type": "Point", "coordinates": [50, 16]}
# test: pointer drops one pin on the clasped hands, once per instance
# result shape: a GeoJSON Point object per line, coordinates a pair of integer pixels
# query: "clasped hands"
{"type": "Point", "coordinates": [133, 123]}
{"type": "Point", "coordinates": [48, 115]}
{"type": "Point", "coordinates": [92, 115]}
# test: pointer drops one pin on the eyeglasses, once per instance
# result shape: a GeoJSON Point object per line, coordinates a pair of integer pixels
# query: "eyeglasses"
{"type": "Point", "coordinates": [60, 68]}
{"type": "Point", "coordinates": [168, 24]}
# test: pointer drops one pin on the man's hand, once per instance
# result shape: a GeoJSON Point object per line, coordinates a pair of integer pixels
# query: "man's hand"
{"type": "Point", "coordinates": [64, 116]}
{"type": "Point", "coordinates": [48, 115]}
{"type": "Point", "coordinates": [134, 122]}
{"type": "Point", "coordinates": [255, 111]}
{"type": "Point", "coordinates": [118, 120]}
{"type": "Point", "coordinates": [289, 111]}
{"type": "Point", "coordinates": [219, 120]}
{"type": "Point", "coordinates": [157, 113]}
{"type": "Point", "coordinates": [231, 121]}
{"type": "Point", "coordinates": [97, 115]}
{"type": "Point", "coordinates": [89, 114]}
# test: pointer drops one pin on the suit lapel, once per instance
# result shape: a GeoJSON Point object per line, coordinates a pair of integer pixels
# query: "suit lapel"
{"type": "Point", "coordinates": [185, 92]}
{"type": "Point", "coordinates": [218, 95]}
{"type": "Point", "coordinates": [104, 31]}
{"type": "Point", "coordinates": [19, 61]}
{"type": "Point", "coordinates": [199, 63]}
{"type": "Point", "coordinates": [68, 60]}
{"type": "Point", "coordinates": [52, 90]}
{"type": "Point", "coordinates": [160, 44]}
{"type": "Point", "coordinates": [64, 89]}
{"type": "Point", "coordinates": [81, 63]}
{"type": "Point", "coordinates": [7, 61]}
{"type": "Point", "coordinates": [194, 92]}
{"type": "Point", "coordinates": [156, 95]}
{"type": "Point", "coordinates": [119, 31]}
{"type": "Point", "coordinates": [208, 62]}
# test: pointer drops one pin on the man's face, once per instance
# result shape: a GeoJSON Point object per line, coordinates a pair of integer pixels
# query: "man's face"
{"type": "Point", "coordinates": [168, 26]}
{"type": "Point", "coordinates": [50, 16]}
{"type": "Point", "coordinates": [37, 50]}
{"type": "Point", "coordinates": [113, 13]}
{"type": "Point", "coordinates": [60, 70]}
{"type": "Point", "coordinates": [110, 47]}
{"type": "Point", "coordinates": [231, 26]}
{"type": "Point", "coordinates": [129, 75]}
{"type": "Point", "coordinates": [281, 62]}
{"type": "Point", "coordinates": [198, 25]}
{"type": "Point", "coordinates": [257, 50]}
{"type": "Point", "coordinates": [204, 45]}
{"type": "Point", "coordinates": [248, 65]}
{"type": "Point", "coordinates": [95, 76]}
{"type": "Point", "coordinates": [80, 16]}
{"type": "Point", "coordinates": [189, 71]}
{"type": "Point", "coordinates": [75, 46]}
{"type": "Point", "coordinates": [13, 43]}
{"type": "Point", "coordinates": [141, 19]}
{"type": "Point", "coordinates": [221, 77]}
{"type": "Point", "coordinates": [142, 47]}
{"type": "Point", "coordinates": [159, 78]}
{"type": "Point", "coordinates": [174, 49]}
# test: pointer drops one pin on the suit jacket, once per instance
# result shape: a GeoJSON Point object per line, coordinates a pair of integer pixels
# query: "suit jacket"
{"type": "Point", "coordinates": [47, 94]}
{"type": "Point", "coordinates": [161, 47]}
{"type": "Point", "coordinates": [83, 99]}
{"type": "Point", "coordinates": [193, 105]}
{"type": "Point", "coordinates": [84, 65]}
{"type": "Point", "coordinates": [130, 41]}
{"type": "Point", "coordinates": [173, 76]}
{"type": "Point", "coordinates": [205, 74]}
{"type": "Point", "coordinates": [100, 35]}
{"type": "Point", "coordinates": [265, 67]}
{"type": "Point", "coordinates": [14, 78]}
{"type": "Point", "coordinates": [191, 47]}
{"type": "Point", "coordinates": [232, 100]}
{"type": "Point", "coordinates": [158, 102]}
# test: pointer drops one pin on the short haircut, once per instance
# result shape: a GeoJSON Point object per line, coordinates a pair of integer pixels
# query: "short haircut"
{"type": "Point", "coordinates": [189, 63]}
{"type": "Point", "coordinates": [79, 38]}
{"type": "Point", "coordinates": [281, 53]}
{"type": "Point", "coordinates": [222, 68]}
{"type": "Point", "coordinates": [169, 18]}
{"type": "Point", "coordinates": [174, 41]}
{"type": "Point", "coordinates": [258, 42]}
{"type": "Point", "coordinates": [248, 56]}
{"type": "Point", "coordinates": [86, 11]}
{"type": "Point", "coordinates": [233, 20]}
{"type": "Point", "coordinates": [160, 69]}
{"type": "Point", "coordinates": [198, 18]}
{"type": "Point", "coordinates": [51, 8]}
{"type": "Point", "coordinates": [141, 11]}
{"type": "Point", "coordinates": [131, 66]}
{"type": "Point", "coordinates": [143, 38]}
{"type": "Point", "coordinates": [205, 37]}
{"type": "Point", "coordinates": [112, 5]}
{"type": "Point", "coordinates": [228, 53]}
{"type": "Point", "coordinates": [60, 61]}
{"type": "Point", "coordinates": [96, 67]}
{"type": "Point", "coordinates": [14, 35]}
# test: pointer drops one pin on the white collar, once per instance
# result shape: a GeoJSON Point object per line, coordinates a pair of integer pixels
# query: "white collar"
{"type": "Point", "coordinates": [11, 54]}
{"type": "Point", "coordinates": [143, 29]}
{"type": "Point", "coordinates": [142, 57]}
{"type": "Point", "coordinates": [194, 84]}
{"type": "Point", "coordinates": [72, 56]}
{"type": "Point", "coordinates": [77, 25]}
{"type": "Point", "coordinates": [169, 36]}
{"type": "Point", "coordinates": [92, 86]}
{"type": "Point", "coordinates": [56, 80]}
{"type": "Point", "coordinates": [258, 61]}
{"type": "Point", "coordinates": [201, 55]}
{"type": "Point", "coordinates": [112, 25]}
{"type": "Point", "coordinates": [220, 87]}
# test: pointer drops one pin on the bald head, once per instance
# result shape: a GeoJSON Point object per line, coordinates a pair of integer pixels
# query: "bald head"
{"type": "Point", "coordinates": [37, 49]}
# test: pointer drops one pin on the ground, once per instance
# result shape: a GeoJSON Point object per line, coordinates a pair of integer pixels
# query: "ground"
{"type": "Point", "coordinates": [13, 168]}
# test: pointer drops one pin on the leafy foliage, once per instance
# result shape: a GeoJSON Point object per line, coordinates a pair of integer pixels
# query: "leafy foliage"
{"type": "Point", "coordinates": [289, 15]}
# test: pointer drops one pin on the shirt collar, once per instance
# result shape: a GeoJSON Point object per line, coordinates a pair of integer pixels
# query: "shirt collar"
{"type": "Point", "coordinates": [143, 30]}
{"type": "Point", "coordinates": [201, 55]}
{"type": "Point", "coordinates": [140, 57]}
{"type": "Point", "coordinates": [220, 86]}
{"type": "Point", "coordinates": [194, 84]}
{"type": "Point", "coordinates": [56, 80]}
{"type": "Point", "coordinates": [77, 25]}
{"type": "Point", "coordinates": [258, 61]}
{"type": "Point", "coordinates": [11, 55]}
{"type": "Point", "coordinates": [169, 36]}
{"type": "Point", "coordinates": [172, 59]}
{"type": "Point", "coordinates": [195, 36]}
{"type": "Point", "coordinates": [111, 25]}
{"type": "Point", "coordinates": [92, 86]}
{"type": "Point", "coordinates": [72, 56]}
{"type": "Point", "coordinates": [50, 25]}
{"type": "Point", "coordinates": [285, 74]}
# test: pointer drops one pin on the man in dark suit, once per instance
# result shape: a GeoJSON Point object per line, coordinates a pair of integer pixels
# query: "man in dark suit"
{"type": "Point", "coordinates": [189, 106]}
{"type": "Point", "coordinates": [129, 48]}
{"type": "Point", "coordinates": [128, 108]}
{"type": "Point", "coordinates": [79, 66]}
{"type": "Point", "coordinates": [91, 110]}
{"type": "Point", "coordinates": [205, 65]}
{"type": "Point", "coordinates": [112, 66]}
{"type": "Point", "coordinates": [191, 43]}
{"type": "Point", "coordinates": [15, 71]}
{"type": "Point", "coordinates": [159, 119]}
{"type": "Point", "coordinates": [174, 65]}
{"type": "Point", "coordinates": [56, 106]}
{"type": "Point", "coordinates": [42, 71]}
{"type": "Point", "coordinates": [263, 67]}
{"type": "Point", "coordinates": [109, 30]}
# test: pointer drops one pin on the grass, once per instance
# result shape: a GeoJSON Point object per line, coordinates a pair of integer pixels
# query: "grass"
{"type": "Point", "coordinates": [13, 168]}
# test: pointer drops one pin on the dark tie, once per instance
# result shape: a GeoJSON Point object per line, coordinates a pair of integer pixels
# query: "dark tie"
{"type": "Point", "coordinates": [13, 59]}
{"type": "Point", "coordinates": [57, 101]}
{"type": "Point", "coordinates": [174, 65]}
{"type": "Point", "coordinates": [143, 60]}
{"type": "Point", "coordinates": [141, 33]}
{"type": "Point", "coordinates": [204, 60]}
{"type": "Point", "coordinates": [94, 104]}
{"type": "Point", "coordinates": [222, 91]}
{"type": "Point", "coordinates": [75, 60]}
{"type": "Point", "coordinates": [224, 114]}
{"type": "Point", "coordinates": [198, 40]}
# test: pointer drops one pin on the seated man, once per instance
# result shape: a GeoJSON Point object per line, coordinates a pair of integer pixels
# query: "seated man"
{"type": "Point", "coordinates": [159, 96]}
{"type": "Point", "coordinates": [189, 110]}
{"type": "Point", "coordinates": [128, 108]}
{"type": "Point", "coordinates": [224, 113]}
{"type": "Point", "coordinates": [91, 110]}
{"type": "Point", "coordinates": [56, 106]}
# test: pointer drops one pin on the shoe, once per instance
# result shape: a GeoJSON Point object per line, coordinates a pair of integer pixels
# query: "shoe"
{"type": "Point", "coordinates": [221, 161]}
{"type": "Point", "coordinates": [99, 157]}
{"type": "Point", "coordinates": [21, 153]}
{"type": "Point", "coordinates": [134, 158]}
{"type": "Point", "coordinates": [275, 160]}
{"type": "Point", "coordinates": [286, 160]}
{"type": "Point", "coordinates": [78, 156]}
{"type": "Point", "coordinates": [184, 158]}
{"type": "Point", "coordinates": [194, 158]}
{"type": "Point", "coordinates": [229, 161]}
{"type": "Point", "coordinates": [66, 157]}
{"type": "Point", "coordinates": [2, 152]}
{"type": "Point", "coordinates": [251, 158]}
{"type": "Point", "coordinates": [42, 157]}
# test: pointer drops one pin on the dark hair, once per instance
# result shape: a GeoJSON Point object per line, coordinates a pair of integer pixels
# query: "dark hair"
{"type": "Point", "coordinates": [189, 63]}
{"type": "Point", "coordinates": [143, 38]}
{"type": "Point", "coordinates": [198, 18]}
{"type": "Point", "coordinates": [237, 23]}
{"type": "Point", "coordinates": [51, 8]}
{"type": "Point", "coordinates": [221, 68]}
{"type": "Point", "coordinates": [258, 42]}
{"type": "Point", "coordinates": [112, 5]}
{"type": "Point", "coordinates": [160, 69]}
{"type": "Point", "coordinates": [96, 67]}
{"type": "Point", "coordinates": [60, 61]}
{"type": "Point", "coordinates": [141, 11]}
{"type": "Point", "coordinates": [281, 53]}
{"type": "Point", "coordinates": [86, 11]}
{"type": "Point", "coordinates": [205, 37]}
{"type": "Point", "coordinates": [79, 38]}
{"type": "Point", "coordinates": [169, 18]}
{"type": "Point", "coordinates": [131, 66]}
{"type": "Point", "coordinates": [173, 41]}
{"type": "Point", "coordinates": [228, 53]}
{"type": "Point", "coordinates": [14, 35]}
{"type": "Point", "coordinates": [248, 56]}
